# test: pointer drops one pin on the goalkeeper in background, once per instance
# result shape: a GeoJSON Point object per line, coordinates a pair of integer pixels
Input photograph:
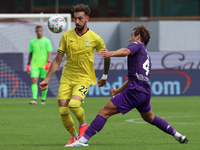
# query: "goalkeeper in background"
{"type": "Point", "coordinates": [79, 45]}
{"type": "Point", "coordinates": [39, 58]}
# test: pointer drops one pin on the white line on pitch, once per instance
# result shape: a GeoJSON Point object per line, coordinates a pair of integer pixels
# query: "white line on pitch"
{"type": "Point", "coordinates": [139, 120]}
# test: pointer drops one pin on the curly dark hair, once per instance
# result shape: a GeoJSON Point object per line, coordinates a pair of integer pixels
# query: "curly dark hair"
{"type": "Point", "coordinates": [144, 33]}
{"type": "Point", "coordinates": [81, 8]}
{"type": "Point", "coordinates": [38, 26]}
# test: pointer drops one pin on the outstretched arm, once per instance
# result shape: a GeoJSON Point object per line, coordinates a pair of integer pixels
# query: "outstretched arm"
{"type": "Point", "coordinates": [122, 52]}
{"type": "Point", "coordinates": [115, 91]}
{"type": "Point", "coordinates": [53, 68]}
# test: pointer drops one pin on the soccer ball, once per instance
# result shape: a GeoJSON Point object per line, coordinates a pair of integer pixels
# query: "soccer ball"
{"type": "Point", "coordinates": [56, 24]}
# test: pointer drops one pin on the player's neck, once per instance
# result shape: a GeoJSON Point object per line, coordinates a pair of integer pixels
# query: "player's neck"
{"type": "Point", "coordinates": [82, 31]}
{"type": "Point", "coordinates": [39, 37]}
{"type": "Point", "coordinates": [140, 42]}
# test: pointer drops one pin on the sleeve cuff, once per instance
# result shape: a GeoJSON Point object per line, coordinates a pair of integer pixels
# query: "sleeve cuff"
{"type": "Point", "coordinates": [61, 51]}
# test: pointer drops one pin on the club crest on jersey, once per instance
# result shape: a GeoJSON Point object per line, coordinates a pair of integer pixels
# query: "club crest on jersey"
{"type": "Point", "coordinates": [87, 42]}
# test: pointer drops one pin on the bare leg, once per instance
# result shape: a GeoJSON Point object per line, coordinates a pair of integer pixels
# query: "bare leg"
{"type": "Point", "coordinates": [108, 110]}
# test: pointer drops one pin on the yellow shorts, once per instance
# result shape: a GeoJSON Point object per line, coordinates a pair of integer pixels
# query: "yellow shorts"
{"type": "Point", "coordinates": [69, 87]}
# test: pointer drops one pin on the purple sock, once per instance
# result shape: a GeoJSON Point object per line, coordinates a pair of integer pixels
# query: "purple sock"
{"type": "Point", "coordinates": [163, 125]}
{"type": "Point", "coordinates": [95, 126]}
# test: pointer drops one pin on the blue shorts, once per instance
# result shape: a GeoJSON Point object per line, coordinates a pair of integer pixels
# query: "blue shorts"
{"type": "Point", "coordinates": [131, 98]}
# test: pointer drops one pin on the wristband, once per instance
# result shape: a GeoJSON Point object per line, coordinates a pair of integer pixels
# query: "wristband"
{"type": "Point", "coordinates": [104, 77]}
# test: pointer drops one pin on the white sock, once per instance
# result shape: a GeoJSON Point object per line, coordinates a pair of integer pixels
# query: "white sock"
{"type": "Point", "coordinates": [177, 135]}
{"type": "Point", "coordinates": [75, 136]}
{"type": "Point", "coordinates": [82, 124]}
{"type": "Point", "coordinates": [83, 139]}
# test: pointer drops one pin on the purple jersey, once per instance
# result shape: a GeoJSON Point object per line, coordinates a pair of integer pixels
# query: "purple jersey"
{"type": "Point", "coordinates": [139, 66]}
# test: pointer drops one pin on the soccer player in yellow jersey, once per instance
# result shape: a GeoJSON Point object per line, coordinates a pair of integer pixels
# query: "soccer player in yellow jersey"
{"type": "Point", "coordinates": [78, 44]}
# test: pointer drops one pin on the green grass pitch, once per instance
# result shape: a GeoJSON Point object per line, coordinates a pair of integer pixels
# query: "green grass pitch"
{"type": "Point", "coordinates": [38, 127]}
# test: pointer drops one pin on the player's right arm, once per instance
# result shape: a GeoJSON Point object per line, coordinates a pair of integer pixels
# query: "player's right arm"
{"type": "Point", "coordinates": [55, 63]}
{"type": "Point", "coordinates": [29, 62]}
{"type": "Point", "coordinates": [53, 68]}
{"type": "Point", "coordinates": [115, 91]}
{"type": "Point", "coordinates": [29, 57]}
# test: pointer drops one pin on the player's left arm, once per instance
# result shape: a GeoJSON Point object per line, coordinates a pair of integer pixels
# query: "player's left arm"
{"type": "Point", "coordinates": [49, 56]}
{"type": "Point", "coordinates": [102, 81]}
{"type": "Point", "coordinates": [122, 52]}
{"type": "Point", "coordinates": [100, 45]}
{"type": "Point", "coordinates": [115, 91]}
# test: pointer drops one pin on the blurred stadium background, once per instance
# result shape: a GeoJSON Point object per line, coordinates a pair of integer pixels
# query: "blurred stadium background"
{"type": "Point", "coordinates": [174, 45]}
{"type": "Point", "coordinates": [174, 49]}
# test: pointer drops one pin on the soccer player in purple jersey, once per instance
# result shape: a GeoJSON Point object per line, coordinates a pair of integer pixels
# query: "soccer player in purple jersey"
{"type": "Point", "coordinates": [134, 93]}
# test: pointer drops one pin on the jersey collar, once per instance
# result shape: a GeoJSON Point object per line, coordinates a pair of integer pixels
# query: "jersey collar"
{"type": "Point", "coordinates": [83, 33]}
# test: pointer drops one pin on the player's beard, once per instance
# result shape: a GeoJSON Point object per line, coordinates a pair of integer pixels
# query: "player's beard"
{"type": "Point", "coordinates": [79, 27]}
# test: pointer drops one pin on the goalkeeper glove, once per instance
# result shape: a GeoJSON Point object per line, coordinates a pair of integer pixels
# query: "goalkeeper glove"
{"type": "Point", "coordinates": [47, 66]}
{"type": "Point", "coordinates": [28, 68]}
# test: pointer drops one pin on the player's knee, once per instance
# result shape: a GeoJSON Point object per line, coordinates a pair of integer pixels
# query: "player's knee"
{"type": "Point", "coordinates": [34, 80]}
{"type": "Point", "coordinates": [63, 111]}
{"type": "Point", "coordinates": [73, 103]}
{"type": "Point", "coordinates": [148, 119]}
{"type": "Point", "coordinates": [104, 112]}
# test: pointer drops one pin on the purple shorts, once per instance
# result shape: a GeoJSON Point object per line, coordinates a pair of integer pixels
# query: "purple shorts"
{"type": "Point", "coordinates": [130, 99]}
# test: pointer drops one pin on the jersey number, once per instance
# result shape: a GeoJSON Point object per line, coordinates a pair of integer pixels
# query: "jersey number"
{"type": "Point", "coordinates": [146, 66]}
{"type": "Point", "coordinates": [83, 90]}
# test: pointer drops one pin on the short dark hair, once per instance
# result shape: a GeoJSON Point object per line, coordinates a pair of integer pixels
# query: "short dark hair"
{"type": "Point", "coordinates": [81, 8]}
{"type": "Point", "coordinates": [37, 27]}
{"type": "Point", "coordinates": [144, 33]}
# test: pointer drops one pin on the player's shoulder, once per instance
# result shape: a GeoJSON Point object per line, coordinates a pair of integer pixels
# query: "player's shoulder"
{"type": "Point", "coordinates": [94, 34]}
{"type": "Point", "coordinates": [34, 39]}
{"type": "Point", "coordinates": [69, 32]}
{"type": "Point", "coordinates": [45, 38]}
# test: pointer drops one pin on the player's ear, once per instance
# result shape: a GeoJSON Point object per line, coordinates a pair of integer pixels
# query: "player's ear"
{"type": "Point", "coordinates": [138, 37]}
{"type": "Point", "coordinates": [87, 17]}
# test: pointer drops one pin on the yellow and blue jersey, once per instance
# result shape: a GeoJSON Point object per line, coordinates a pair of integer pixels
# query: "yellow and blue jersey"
{"type": "Point", "coordinates": [80, 55]}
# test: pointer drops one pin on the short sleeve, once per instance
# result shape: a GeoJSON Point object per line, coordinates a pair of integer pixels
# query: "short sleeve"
{"type": "Point", "coordinates": [62, 45]}
{"type": "Point", "coordinates": [133, 47]}
{"type": "Point", "coordinates": [30, 47]}
{"type": "Point", "coordinates": [100, 45]}
{"type": "Point", "coordinates": [49, 46]}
